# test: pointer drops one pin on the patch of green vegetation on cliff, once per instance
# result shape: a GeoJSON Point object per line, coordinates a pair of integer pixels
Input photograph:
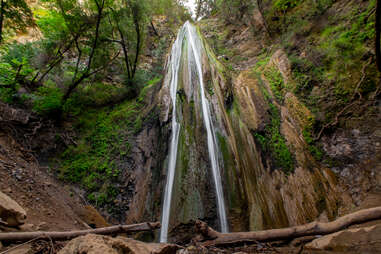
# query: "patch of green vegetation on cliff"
{"type": "Point", "coordinates": [291, 17]}
{"type": "Point", "coordinates": [272, 75]}
{"type": "Point", "coordinates": [104, 143]}
{"type": "Point", "coordinates": [275, 79]}
{"type": "Point", "coordinates": [305, 75]}
{"type": "Point", "coordinates": [339, 72]}
{"type": "Point", "coordinates": [273, 142]}
{"type": "Point", "coordinates": [315, 150]}
{"type": "Point", "coordinates": [262, 60]}
{"type": "Point", "coordinates": [345, 46]}
{"type": "Point", "coordinates": [331, 49]}
{"type": "Point", "coordinates": [209, 87]}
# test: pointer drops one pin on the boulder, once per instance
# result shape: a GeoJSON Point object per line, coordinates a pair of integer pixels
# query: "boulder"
{"type": "Point", "coordinates": [357, 240]}
{"type": "Point", "coordinates": [11, 213]}
{"type": "Point", "coordinates": [99, 244]}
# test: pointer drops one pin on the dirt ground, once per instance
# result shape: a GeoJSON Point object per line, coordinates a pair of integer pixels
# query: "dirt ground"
{"type": "Point", "coordinates": [49, 204]}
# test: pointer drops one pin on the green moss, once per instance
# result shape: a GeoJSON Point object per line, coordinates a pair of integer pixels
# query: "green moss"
{"type": "Point", "coordinates": [147, 87]}
{"type": "Point", "coordinates": [275, 79]}
{"type": "Point", "coordinates": [314, 149]}
{"type": "Point", "coordinates": [138, 124]}
{"type": "Point", "coordinates": [274, 143]}
{"type": "Point", "coordinates": [262, 60]}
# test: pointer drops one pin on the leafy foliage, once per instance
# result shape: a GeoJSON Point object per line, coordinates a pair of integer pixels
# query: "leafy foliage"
{"type": "Point", "coordinates": [48, 99]}
{"type": "Point", "coordinates": [15, 65]}
{"type": "Point", "coordinates": [15, 15]}
{"type": "Point", "coordinates": [96, 162]}
{"type": "Point", "coordinates": [83, 43]}
{"type": "Point", "coordinates": [284, 5]}
{"type": "Point", "coordinates": [235, 10]}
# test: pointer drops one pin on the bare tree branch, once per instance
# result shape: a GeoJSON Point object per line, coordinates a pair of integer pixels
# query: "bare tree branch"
{"type": "Point", "coordinates": [26, 236]}
{"type": "Point", "coordinates": [212, 237]}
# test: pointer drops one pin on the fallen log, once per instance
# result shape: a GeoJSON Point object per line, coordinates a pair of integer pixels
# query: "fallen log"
{"type": "Point", "coordinates": [26, 236]}
{"type": "Point", "coordinates": [210, 237]}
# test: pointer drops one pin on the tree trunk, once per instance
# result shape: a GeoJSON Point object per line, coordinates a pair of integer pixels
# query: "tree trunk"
{"type": "Point", "coordinates": [1, 19]}
{"type": "Point", "coordinates": [26, 236]}
{"type": "Point", "coordinates": [87, 73]}
{"type": "Point", "coordinates": [378, 35]}
{"type": "Point", "coordinates": [154, 29]}
{"type": "Point", "coordinates": [125, 53]}
{"type": "Point", "coordinates": [138, 39]}
{"type": "Point", "coordinates": [212, 237]}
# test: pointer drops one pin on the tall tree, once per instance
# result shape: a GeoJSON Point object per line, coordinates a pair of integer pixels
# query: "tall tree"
{"type": "Point", "coordinates": [378, 34]}
{"type": "Point", "coordinates": [205, 7]}
{"type": "Point", "coordinates": [89, 70]}
{"type": "Point", "coordinates": [14, 14]}
{"type": "Point", "coordinates": [128, 21]}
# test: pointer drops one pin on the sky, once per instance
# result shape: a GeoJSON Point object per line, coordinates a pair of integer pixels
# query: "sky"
{"type": "Point", "coordinates": [191, 4]}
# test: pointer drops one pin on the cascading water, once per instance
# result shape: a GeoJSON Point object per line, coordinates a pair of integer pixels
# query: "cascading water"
{"type": "Point", "coordinates": [174, 69]}
{"type": "Point", "coordinates": [195, 44]}
{"type": "Point", "coordinates": [195, 47]}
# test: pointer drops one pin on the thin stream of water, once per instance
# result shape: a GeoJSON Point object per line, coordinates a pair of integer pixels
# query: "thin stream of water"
{"type": "Point", "coordinates": [196, 46]}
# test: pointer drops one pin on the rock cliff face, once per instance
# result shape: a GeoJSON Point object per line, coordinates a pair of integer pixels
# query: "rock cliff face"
{"type": "Point", "coordinates": [274, 197]}
{"type": "Point", "coordinates": [260, 192]}
{"type": "Point", "coordinates": [273, 170]}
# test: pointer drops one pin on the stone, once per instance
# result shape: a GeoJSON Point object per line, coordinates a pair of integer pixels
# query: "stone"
{"type": "Point", "coordinates": [24, 249]}
{"type": "Point", "coordinates": [11, 212]}
{"type": "Point", "coordinates": [253, 106]}
{"type": "Point", "coordinates": [92, 217]}
{"type": "Point", "coordinates": [280, 60]}
{"type": "Point", "coordinates": [42, 226]}
{"type": "Point", "coordinates": [356, 240]}
{"type": "Point", "coordinates": [28, 227]}
{"type": "Point", "coordinates": [98, 244]}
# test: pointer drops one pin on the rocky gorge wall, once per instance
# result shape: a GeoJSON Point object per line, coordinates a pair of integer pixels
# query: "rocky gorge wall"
{"type": "Point", "coordinates": [259, 193]}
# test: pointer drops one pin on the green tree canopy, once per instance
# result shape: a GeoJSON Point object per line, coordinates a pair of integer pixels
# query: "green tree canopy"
{"type": "Point", "coordinates": [14, 15]}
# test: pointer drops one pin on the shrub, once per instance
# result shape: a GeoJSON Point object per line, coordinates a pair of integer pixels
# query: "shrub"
{"type": "Point", "coordinates": [48, 100]}
{"type": "Point", "coordinates": [284, 5]}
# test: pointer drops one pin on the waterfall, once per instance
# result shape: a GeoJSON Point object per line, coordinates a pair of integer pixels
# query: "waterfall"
{"type": "Point", "coordinates": [196, 45]}
{"type": "Point", "coordinates": [174, 66]}
{"type": "Point", "coordinates": [195, 48]}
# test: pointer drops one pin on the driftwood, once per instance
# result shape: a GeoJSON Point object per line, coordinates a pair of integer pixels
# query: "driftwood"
{"type": "Point", "coordinates": [26, 236]}
{"type": "Point", "coordinates": [210, 237]}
